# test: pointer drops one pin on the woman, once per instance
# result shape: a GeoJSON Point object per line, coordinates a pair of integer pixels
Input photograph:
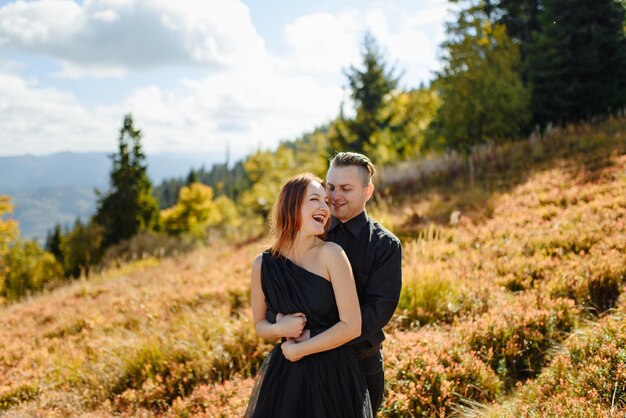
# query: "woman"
{"type": "Point", "coordinates": [311, 281]}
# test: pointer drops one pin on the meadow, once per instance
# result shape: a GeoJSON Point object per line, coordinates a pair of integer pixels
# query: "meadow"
{"type": "Point", "coordinates": [510, 304]}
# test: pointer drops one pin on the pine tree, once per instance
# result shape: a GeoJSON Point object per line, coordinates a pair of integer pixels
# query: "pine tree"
{"type": "Point", "coordinates": [129, 206]}
{"type": "Point", "coordinates": [521, 18]}
{"type": "Point", "coordinates": [480, 85]}
{"type": "Point", "coordinates": [192, 177]}
{"type": "Point", "coordinates": [370, 87]}
{"type": "Point", "coordinates": [82, 248]}
{"type": "Point", "coordinates": [578, 61]}
{"type": "Point", "coordinates": [53, 243]}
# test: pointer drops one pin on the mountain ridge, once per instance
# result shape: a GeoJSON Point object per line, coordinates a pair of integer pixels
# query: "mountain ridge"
{"type": "Point", "coordinates": [59, 187]}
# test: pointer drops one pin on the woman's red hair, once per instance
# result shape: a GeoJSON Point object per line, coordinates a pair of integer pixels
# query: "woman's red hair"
{"type": "Point", "coordinates": [286, 219]}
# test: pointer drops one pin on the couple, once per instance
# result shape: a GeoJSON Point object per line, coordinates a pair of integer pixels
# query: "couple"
{"type": "Point", "coordinates": [327, 287]}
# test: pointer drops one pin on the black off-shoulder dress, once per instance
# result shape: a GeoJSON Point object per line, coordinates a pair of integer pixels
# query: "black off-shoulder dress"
{"type": "Point", "coordinates": [330, 384]}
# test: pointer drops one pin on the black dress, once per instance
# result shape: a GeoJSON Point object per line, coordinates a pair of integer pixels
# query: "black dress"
{"type": "Point", "coordinates": [330, 384]}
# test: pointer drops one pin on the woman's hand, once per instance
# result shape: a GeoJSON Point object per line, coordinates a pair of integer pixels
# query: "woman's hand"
{"type": "Point", "coordinates": [291, 325]}
{"type": "Point", "coordinates": [290, 350]}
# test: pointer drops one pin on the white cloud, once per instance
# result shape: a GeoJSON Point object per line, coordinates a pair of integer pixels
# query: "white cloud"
{"type": "Point", "coordinates": [38, 120]}
{"type": "Point", "coordinates": [255, 99]}
{"type": "Point", "coordinates": [110, 36]}
{"type": "Point", "coordinates": [324, 42]}
{"type": "Point", "coordinates": [247, 108]}
{"type": "Point", "coordinates": [320, 42]}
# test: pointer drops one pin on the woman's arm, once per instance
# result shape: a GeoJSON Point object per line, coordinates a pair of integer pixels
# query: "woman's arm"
{"type": "Point", "coordinates": [290, 326]}
{"type": "Point", "coordinates": [344, 288]}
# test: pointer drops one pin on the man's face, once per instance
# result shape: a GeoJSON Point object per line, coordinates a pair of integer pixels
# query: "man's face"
{"type": "Point", "coordinates": [346, 193]}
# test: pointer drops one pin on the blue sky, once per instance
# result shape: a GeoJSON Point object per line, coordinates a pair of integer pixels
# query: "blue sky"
{"type": "Point", "coordinates": [198, 75]}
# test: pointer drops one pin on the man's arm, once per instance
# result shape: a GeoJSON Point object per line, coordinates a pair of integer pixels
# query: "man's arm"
{"type": "Point", "coordinates": [381, 293]}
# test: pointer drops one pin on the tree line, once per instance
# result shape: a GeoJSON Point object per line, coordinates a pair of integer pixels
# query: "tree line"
{"type": "Point", "coordinates": [510, 68]}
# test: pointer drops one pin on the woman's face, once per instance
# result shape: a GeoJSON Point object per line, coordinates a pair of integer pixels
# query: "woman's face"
{"type": "Point", "coordinates": [315, 211]}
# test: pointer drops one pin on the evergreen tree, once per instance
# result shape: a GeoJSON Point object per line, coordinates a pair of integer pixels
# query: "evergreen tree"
{"type": "Point", "coordinates": [129, 206]}
{"type": "Point", "coordinates": [370, 87]}
{"type": "Point", "coordinates": [53, 243]}
{"type": "Point", "coordinates": [82, 248]}
{"type": "Point", "coordinates": [578, 61]}
{"type": "Point", "coordinates": [521, 18]}
{"type": "Point", "coordinates": [480, 86]}
{"type": "Point", "coordinates": [192, 177]}
{"type": "Point", "coordinates": [482, 95]}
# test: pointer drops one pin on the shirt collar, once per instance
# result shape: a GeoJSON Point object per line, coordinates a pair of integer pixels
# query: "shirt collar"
{"type": "Point", "coordinates": [354, 225]}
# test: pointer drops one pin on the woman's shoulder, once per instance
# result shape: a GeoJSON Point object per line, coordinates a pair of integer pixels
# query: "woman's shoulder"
{"type": "Point", "coordinates": [330, 251]}
{"type": "Point", "coordinates": [258, 260]}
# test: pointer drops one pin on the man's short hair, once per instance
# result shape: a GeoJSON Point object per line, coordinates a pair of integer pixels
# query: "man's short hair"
{"type": "Point", "coordinates": [346, 159]}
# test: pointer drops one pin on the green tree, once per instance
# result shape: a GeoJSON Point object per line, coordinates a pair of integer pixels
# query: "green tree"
{"type": "Point", "coordinates": [129, 206]}
{"type": "Point", "coordinates": [578, 61]}
{"type": "Point", "coordinates": [370, 88]}
{"type": "Point", "coordinates": [521, 18]}
{"type": "Point", "coordinates": [411, 112]}
{"type": "Point", "coordinates": [482, 95]}
{"type": "Point", "coordinates": [31, 269]}
{"type": "Point", "coordinates": [53, 243]}
{"type": "Point", "coordinates": [192, 177]}
{"type": "Point", "coordinates": [82, 248]}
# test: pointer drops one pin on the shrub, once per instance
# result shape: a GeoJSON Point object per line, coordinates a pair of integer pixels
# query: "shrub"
{"type": "Point", "coordinates": [144, 245]}
{"type": "Point", "coordinates": [15, 395]}
{"type": "Point", "coordinates": [515, 339]}
{"type": "Point", "coordinates": [429, 297]}
{"type": "Point", "coordinates": [432, 374]}
{"type": "Point", "coordinates": [587, 378]}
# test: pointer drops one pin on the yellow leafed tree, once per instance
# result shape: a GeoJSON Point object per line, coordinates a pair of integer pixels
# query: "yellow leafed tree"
{"type": "Point", "coordinates": [196, 211]}
{"type": "Point", "coordinates": [8, 232]}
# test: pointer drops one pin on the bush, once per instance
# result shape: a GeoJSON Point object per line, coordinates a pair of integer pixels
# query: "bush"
{"type": "Point", "coordinates": [515, 339]}
{"type": "Point", "coordinates": [429, 297]}
{"type": "Point", "coordinates": [146, 245]}
{"type": "Point", "coordinates": [587, 378]}
{"type": "Point", "coordinates": [432, 375]}
{"type": "Point", "coordinates": [13, 396]}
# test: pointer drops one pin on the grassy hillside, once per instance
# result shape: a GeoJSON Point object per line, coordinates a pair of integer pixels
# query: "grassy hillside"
{"type": "Point", "coordinates": [510, 305]}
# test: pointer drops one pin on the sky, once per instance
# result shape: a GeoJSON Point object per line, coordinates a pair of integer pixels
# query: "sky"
{"type": "Point", "coordinates": [198, 76]}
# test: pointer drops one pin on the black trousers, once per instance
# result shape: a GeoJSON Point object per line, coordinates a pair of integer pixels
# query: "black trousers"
{"type": "Point", "coordinates": [372, 366]}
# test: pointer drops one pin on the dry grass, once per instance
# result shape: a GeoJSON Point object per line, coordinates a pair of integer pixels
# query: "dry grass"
{"type": "Point", "coordinates": [510, 307]}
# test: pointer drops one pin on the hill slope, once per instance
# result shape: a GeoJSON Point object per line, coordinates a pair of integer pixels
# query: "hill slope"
{"type": "Point", "coordinates": [512, 309]}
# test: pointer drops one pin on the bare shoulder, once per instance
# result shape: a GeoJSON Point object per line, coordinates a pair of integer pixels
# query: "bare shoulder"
{"type": "Point", "coordinates": [256, 264]}
{"type": "Point", "coordinates": [330, 250]}
{"type": "Point", "coordinates": [333, 255]}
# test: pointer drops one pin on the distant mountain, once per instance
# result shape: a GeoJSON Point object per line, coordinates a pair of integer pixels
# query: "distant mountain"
{"type": "Point", "coordinates": [60, 187]}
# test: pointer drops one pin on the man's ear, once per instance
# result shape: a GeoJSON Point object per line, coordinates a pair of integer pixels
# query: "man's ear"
{"type": "Point", "coordinates": [369, 191]}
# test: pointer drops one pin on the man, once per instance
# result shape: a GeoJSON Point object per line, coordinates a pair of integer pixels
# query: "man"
{"type": "Point", "coordinates": [375, 255]}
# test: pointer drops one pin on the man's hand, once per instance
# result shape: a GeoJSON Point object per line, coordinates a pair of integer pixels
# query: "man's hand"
{"type": "Point", "coordinates": [290, 350]}
{"type": "Point", "coordinates": [291, 325]}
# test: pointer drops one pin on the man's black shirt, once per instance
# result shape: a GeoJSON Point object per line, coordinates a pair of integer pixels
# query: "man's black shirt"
{"type": "Point", "coordinates": [375, 255]}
